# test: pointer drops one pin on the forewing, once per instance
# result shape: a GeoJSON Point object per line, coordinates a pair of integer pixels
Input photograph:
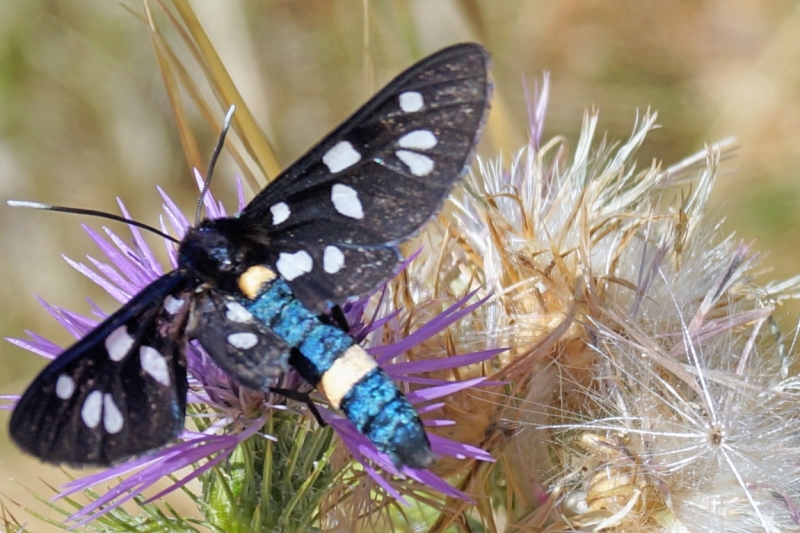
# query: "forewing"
{"type": "Point", "coordinates": [377, 178]}
{"type": "Point", "coordinates": [118, 392]}
{"type": "Point", "coordinates": [324, 274]}
{"type": "Point", "coordinates": [238, 343]}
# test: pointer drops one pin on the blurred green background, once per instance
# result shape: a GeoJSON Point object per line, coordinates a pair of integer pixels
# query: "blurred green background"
{"type": "Point", "coordinates": [84, 116]}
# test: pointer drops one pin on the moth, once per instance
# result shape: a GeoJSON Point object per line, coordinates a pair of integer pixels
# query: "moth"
{"type": "Point", "coordinates": [254, 289]}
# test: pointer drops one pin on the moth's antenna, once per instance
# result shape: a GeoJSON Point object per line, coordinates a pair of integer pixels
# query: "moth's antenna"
{"type": "Point", "coordinates": [91, 213]}
{"type": "Point", "coordinates": [217, 150]}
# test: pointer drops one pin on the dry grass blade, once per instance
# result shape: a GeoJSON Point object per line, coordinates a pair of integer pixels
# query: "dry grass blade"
{"type": "Point", "coordinates": [254, 157]}
{"type": "Point", "coordinates": [188, 140]}
{"type": "Point", "coordinates": [256, 143]}
{"type": "Point", "coordinates": [173, 64]}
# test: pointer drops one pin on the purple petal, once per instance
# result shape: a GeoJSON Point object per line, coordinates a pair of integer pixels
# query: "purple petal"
{"type": "Point", "coordinates": [176, 216]}
{"type": "Point", "coordinates": [440, 363]}
{"type": "Point", "coordinates": [363, 450]}
{"type": "Point", "coordinates": [12, 400]}
{"type": "Point", "coordinates": [354, 310]}
{"type": "Point", "coordinates": [113, 276]}
{"type": "Point", "coordinates": [436, 483]}
{"type": "Point", "coordinates": [176, 224]}
{"type": "Point", "coordinates": [431, 393]}
{"type": "Point", "coordinates": [428, 382]}
{"type": "Point", "coordinates": [440, 322]}
{"type": "Point", "coordinates": [377, 478]}
{"type": "Point", "coordinates": [140, 481]}
{"type": "Point", "coordinates": [443, 446]}
{"type": "Point", "coordinates": [240, 193]}
{"type": "Point", "coordinates": [114, 472]}
{"type": "Point", "coordinates": [223, 454]}
{"type": "Point", "coordinates": [82, 323]}
{"type": "Point", "coordinates": [151, 263]}
{"type": "Point", "coordinates": [138, 273]}
{"type": "Point", "coordinates": [208, 200]}
{"type": "Point", "coordinates": [157, 466]}
{"type": "Point", "coordinates": [37, 344]}
{"type": "Point", "coordinates": [119, 259]}
{"type": "Point", "coordinates": [377, 324]}
{"type": "Point", "coordinates": [116, 293]}
{"type": "Point", "coordinates": [96, 310]}
{"type": "Point", "coordinates": [423, 409]}
{"type": "Point", "coordinates": [172, 251]}
{"type": "Point", "coordinates": [72, 328]}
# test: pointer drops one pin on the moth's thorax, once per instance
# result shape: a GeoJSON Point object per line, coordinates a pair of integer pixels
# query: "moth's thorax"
{"type": "Point", "coordinates": [220, 251]}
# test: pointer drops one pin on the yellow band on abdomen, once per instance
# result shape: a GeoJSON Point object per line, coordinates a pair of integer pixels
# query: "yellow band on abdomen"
{"type": "Point", "coordinates": [253, 280]}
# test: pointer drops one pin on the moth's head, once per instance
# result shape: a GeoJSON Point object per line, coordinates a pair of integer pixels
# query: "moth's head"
{"type": "Point", "coordinates": [219, 251]}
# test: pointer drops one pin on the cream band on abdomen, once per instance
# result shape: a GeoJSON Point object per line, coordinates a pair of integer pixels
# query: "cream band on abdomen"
{"type": "Point", "coordinates": [346, 371]}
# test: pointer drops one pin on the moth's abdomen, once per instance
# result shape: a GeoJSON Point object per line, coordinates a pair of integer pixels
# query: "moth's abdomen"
{"type": "Point", "coordinates": [383, 414]}
{"type": "Point", "coordinates": [329, 359]}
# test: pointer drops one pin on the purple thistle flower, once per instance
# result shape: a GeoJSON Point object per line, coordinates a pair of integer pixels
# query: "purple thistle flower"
{"type": "Point", "coordinates": [230, 414]}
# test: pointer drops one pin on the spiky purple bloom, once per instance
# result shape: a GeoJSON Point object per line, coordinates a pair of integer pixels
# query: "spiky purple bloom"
{"type": "Point", "coordinates": [131, 267]}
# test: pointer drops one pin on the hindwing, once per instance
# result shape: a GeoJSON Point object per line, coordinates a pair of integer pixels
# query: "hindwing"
{"type": "Point", "coordinates": [240, 345]}
{"type": "Point", "coordinates": [119, 391]}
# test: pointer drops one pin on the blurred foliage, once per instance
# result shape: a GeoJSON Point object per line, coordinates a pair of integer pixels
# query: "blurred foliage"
{"type": "Point", "coordinates": [84, 115]}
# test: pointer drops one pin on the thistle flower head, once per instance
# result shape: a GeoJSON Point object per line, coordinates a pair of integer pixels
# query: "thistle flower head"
{"type": "Point", "coordinates": [643, 389]}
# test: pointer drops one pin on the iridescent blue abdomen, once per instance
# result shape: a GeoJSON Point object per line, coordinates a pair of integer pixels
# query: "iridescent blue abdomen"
{"type": "Point", "coordinates": [329, 359]}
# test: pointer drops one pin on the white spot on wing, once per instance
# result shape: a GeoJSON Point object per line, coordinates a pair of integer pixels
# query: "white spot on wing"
{"type": "Point", "coordinates": [411, 101]}
{"type": "Point", "coordinates": [65, 386]}
{"type": "Point", "coordinates": [345, 200]}
{"type": "Point", "coordinates": [243, 341]}
{"type": "Point", "coordinates": [92, 409]}
{"type": "Point", "coordinates": [341, 156]}
{"type": "Point", "coordinates": [236, 312]}
{"type": "Point", "coordinates": [418, 140]}
{"type": "Point", "coordinates": [173, 305]}
{"type": "Point", "coordinates": [332, 260]}
{"type": "Point", "coordinates": [280, 213]}
{"type": "Point", "coordinates": [119, 343]}
{"type": "Point", "coordinates": [294, 265]}
{"type": "Point", "coordinates": [418, 164]}
{"type": "Point", "coordinates": [112, 416]}
{"type": "Point", "coordinates": [154, 364]}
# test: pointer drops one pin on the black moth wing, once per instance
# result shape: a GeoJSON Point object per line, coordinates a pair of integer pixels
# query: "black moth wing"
{"type": "Point", "coordinates": [118, 392]}
{"type": "Point", "coordinates": [237, 342]}
{"type": "Point", "coordinates": [337, 213]}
